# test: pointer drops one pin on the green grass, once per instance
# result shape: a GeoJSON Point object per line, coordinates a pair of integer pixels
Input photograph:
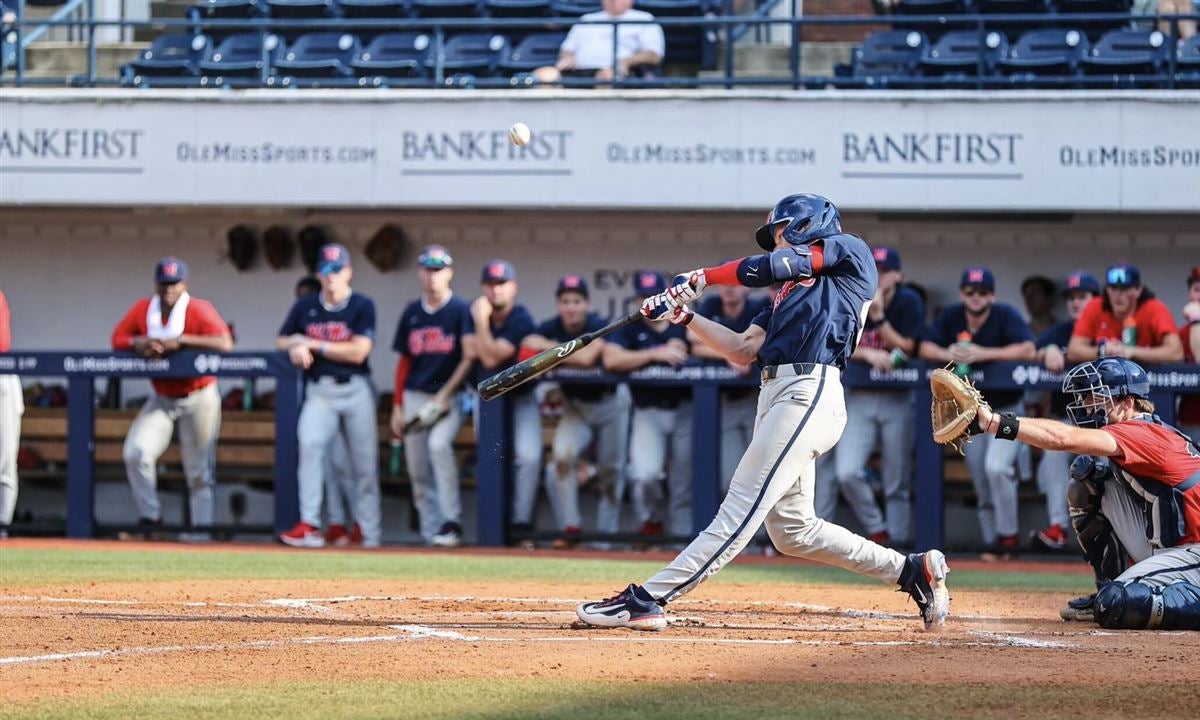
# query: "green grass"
{"type": "Point", "coordinates": [25, 566]}
{"type": "Point", "coordinates": [547, 699]}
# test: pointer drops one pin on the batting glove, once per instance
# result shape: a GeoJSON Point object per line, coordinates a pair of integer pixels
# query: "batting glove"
{"type": "Point", "coordinates": [682, 315]}
{"type": "Point", "coordinates": [656, 307]}
{"type": "Point", "coordinates": [686, 288]}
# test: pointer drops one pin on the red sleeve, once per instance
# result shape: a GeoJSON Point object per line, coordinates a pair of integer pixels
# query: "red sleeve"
{"type": "Point", "coordinates": [1085, 326]}
{"type": "Point", "coordinates": [203, 319]}
{"type": "Point", "coordinates": [818, 258]}
{"type": "Point", "coordinates": [725, 274]}
{"type": "Point", "coordinates": [134, 323]}
{"type": "Point", "coordinates": [5, 325]}
{"type": "Point", "coordinates": [1153, 451]}
{"type": "Point", "coordinates": [524, 353]}
{"type": "Point", "coordinates": [401, 378]}
{"type": "Point", "coordinates": [1160, 321]}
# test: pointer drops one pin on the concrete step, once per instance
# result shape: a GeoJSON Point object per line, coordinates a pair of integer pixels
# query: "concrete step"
{"type": "Point", "coordinates": [750, 60]}
{"type": "Point", "coordinates": [53, 59]}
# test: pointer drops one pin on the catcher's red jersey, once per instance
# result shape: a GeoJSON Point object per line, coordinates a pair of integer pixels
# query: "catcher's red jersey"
{"type": "Point", "coordinates": [1159, 453]}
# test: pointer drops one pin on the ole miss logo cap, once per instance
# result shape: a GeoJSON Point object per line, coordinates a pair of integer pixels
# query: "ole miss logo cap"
{"type": "Point", "coordinates": [170, 270]}
{"type": "Point", "coordinates": [650, 283]}
{"type": "Point", "coordinates": [499, 271]}
{"type": "Point", "coordinates": [332, 258]}
{"type": "Point", "coordinates": [978, 276]}
{"type": "Point", "coordinates": [572, 283]}
{"type": "Point", "coordinates": [1081, 281]}
{"type": "Point", "coordinates": [886, 258]}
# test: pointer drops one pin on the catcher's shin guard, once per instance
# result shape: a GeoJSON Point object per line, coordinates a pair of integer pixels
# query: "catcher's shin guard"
{"type": "Point", "coordinates": [1101, 548]}
{"type": "Point", "coordinates": [1138, 606]}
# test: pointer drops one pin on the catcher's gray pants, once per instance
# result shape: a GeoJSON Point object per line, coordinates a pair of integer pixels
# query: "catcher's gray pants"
{"type": "Point", "coordinates": [992, 464]}
{"type": "Point", "coordinates": [12, 406]}
{"type": "Point", "coordinates": [346, 410]}
{"type": "Point", "coordinates": [1153, 566]}
{"type": "Point", "coordinates": [737, 428]}
{"type": "Point", "coordinates": [199, 418]}
{"type": "Point", "coordinates": [886, 415]}
{"type": "Point", "coordinates": [799, 418]}
{"type": "Point", "coordinates": [432, 467]}
{"type": "Point", "coordinates": [339, 484]}
{"type": "Point", "coordinates": [527, 454]}
{"type": "Point", "coordinates": [607, 420]}
{"type": "Point", "coordinates": [1053, 474]}
{"type": "Point", "coordinates": [652, 431]}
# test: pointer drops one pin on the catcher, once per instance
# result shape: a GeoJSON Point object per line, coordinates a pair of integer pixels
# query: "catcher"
{"type": "Point", "coordinates": [1134, 491]}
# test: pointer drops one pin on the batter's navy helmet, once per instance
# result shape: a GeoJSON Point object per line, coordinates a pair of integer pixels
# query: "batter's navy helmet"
{"type": "Point", "coordinates": [809, 218]}
{"type": "Point", "coordinates": [1093, 386]}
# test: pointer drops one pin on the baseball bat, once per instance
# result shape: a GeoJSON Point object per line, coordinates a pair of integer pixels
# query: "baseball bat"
{"type": "Point", "coordinates": [524, 371]}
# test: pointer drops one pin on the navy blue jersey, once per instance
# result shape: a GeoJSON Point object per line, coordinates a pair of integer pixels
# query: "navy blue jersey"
{"type": "Point", "coordinates": [905, 313]}
{"type": "Point", "coordinates": [1003, 326]}
{"type": "Point", "coordinates": [515, 327]}
{"type": "Point", "coordinates": [432, 342]}
{"type": "Point", "coordinates": [639, 336]}
{"type": "Point", "coordinates": [819, 319]}
{"type": "Point", "coordinates": [554, 330]}
{"type": "Point", "coordinates": [1058, 335]}
{"type": "Point", "coordinates": [311, 318]}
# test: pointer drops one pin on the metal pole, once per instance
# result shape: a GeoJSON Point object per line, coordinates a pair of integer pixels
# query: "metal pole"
{"type": "Point", "coordinates": [794, 55]}
{"type": "Point", "coordinates": [495, 456]}
{"type": "Point", "coordinates": [729, 56]}
{"type": "Point", "coordinates": [439, 44]}
{"type": "Point", "coordinates": [288, 389]}
{"type": "Point", "coordinates": [929, 486]}
{"type": "Point", "coordinates": [20, 42]}
{"type": "Point", "coordinates": [81, 446]}
{"type": "Point", "coordinates": [91, 35]}
{"type": "Point", "coordinates": [706, 453]}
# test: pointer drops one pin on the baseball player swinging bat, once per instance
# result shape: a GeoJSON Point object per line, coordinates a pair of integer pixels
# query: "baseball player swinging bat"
{"type": "Point", "coordinates": [524, 371]}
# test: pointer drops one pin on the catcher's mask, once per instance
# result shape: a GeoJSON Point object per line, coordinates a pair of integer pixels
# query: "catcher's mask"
{"type": "Point", "coordinates": [1094, 388]}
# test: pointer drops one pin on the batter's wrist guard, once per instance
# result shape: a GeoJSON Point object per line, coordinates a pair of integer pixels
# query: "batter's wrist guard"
{"type": "Point", "coordinates": [1008, 427]}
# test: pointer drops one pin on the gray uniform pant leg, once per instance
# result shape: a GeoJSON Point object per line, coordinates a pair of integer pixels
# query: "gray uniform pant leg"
{"type": "Point", "coordinates": [976, 455]}
{"type": "Point", "coordinates": [149, 437]}
{"type": "Point", "coordinates": [359, 432]}
{"type": "Point", "coordinates": [432, 467]}
{"type": "Point", "coordinates": [527, 446]}
{"type": "Point", "coordinates": [825, 493]}
{"type": "Point", "coordinates": [610, 421]}
{"type": "Point", "coordinates": [650, 434]}
{"type": "Point", "coordinates": [1053, 474]}
{"type": "Point", "coordinates": [12, 406]}
{"type": "Point", "coordinates": [1125, 512]}
{"type": "Point", "coordinates": [199, 426]}
{"type": "Point", "coordinates": [316, 429]}
{"type": "Point", "coordinates": [571, 436]}
{"type": "Point", "coordinates": [679, 476]}
{"type": "Point", "coordinates": [799, 419]}
{"type": "Point", "coordinates": [851, 455]}
{"type": "Point", "coordinates": [737, 427]}
{"type": "Point", "coordinates": [338, 484]}
{"type": "Point", "coordinates": [1166, 566]}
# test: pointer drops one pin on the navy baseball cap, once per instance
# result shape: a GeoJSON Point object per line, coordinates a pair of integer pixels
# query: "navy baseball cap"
{"type": "Point", "coordinates": [886, 258]}
{"type": "Point", "coordinates": [333, 258]}
{"type": "Point", "coordinates": [435, 257]}
{"type": "Point", "coordinates": [650, 282]}
{"type": "Point", "coordinates": [1123, 275]}
{"type": "Point", "coordinates": [978, 276]}
{"type": "Point", "coordinates": [1080, 281]}
{"type": "Point", "coordinates": [498, 271]}
{"type": "Point", "coordinates": [572, 283]}
{"type": "Point", "coordinates": [170, 270]}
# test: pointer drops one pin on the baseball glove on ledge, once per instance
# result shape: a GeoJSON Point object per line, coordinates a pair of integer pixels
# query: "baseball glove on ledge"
{"type": "Point", "coordinates": [956, 404]}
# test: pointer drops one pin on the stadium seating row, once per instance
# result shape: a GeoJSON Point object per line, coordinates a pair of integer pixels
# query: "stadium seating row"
{"type": "Point", "coordinates": [1123, 57]}
{"type": "Point", "coordinates": [936, 17]}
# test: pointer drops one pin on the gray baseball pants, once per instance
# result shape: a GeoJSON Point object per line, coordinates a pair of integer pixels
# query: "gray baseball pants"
{"type": "Point", "coordinates": [886, 416]}
{"type": "Point", "coordinates": [432, 467]}
{"type": "Point", "coordinates": [199, 422]}
{"type": "Point", "coordinates": [992, 464]}
{"type": "Point", "coordinates": [608, 421]}
{"type": "Point", "coordinates": [1152, 566]}
{"type": "Point", "coordinates": [347, 409]}
{"type": "Point", "coordinates": [653, 431]}
{"type": "Point", "coordinates": [737, 428]}
{"type": "Point", "coordinates": [799, 418]}
{"type": "Point", "coordinates": [1053, 474]}
{"type": "Point", "coordinates": [339, 484]}
{"type": "Point", "coordinates": [12, 406]}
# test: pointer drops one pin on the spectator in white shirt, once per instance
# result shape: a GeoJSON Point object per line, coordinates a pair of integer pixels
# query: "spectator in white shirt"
{"type": "Point", "coordinates": [588, 49]}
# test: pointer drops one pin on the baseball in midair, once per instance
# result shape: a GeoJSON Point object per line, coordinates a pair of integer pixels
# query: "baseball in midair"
{"type": "Point", "coordinates": [519, 133]}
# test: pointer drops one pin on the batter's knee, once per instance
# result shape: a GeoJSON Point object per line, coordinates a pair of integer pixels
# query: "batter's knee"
{"type": "Point", "coordinates": [791, 532]}
{"type": "Point", "coordinates": [1138, 606]}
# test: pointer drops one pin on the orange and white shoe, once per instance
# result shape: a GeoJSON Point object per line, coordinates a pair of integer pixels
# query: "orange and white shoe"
{"type": "Point", "coordinates": [303, 535]}
{"type": "Point", "coordinates": [924, 579]}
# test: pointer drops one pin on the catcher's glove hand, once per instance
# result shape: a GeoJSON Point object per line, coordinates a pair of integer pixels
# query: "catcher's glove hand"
{"type": "Point", "coordinates": [955, 410]}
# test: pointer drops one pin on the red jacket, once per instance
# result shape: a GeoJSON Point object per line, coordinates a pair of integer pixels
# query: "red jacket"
{"type": "Point", "coordinates": [201, 319]}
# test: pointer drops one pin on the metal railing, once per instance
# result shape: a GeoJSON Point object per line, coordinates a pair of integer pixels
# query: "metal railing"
{"type": "Point", "coordinates": [725, 30]}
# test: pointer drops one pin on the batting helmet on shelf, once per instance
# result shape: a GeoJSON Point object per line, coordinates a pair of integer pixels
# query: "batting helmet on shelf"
{"type": "Point", "coordinates": [808, 218]}
{"type": "Point", "coordinates": [243, 246]}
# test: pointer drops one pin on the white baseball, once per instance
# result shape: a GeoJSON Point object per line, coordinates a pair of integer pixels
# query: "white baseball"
{"type": "Point", "coordinates": [519, 133]}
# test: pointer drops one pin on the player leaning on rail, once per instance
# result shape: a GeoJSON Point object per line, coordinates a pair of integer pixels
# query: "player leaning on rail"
{"type": "Point", "coordinates": [1134, 491]}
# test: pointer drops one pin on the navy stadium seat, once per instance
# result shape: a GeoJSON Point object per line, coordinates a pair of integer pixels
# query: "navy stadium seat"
{"type": "Point", "coordinates": [1015, 28]}
{"type": "Point", "coordinates": [1187, 63]}
{"type": "Point", "coordinates": [471, 53]}
{"type": "Point", "coordinates": [535, 51]}
{"type": "Point", "coordinates": [319, 54]}
{"type": "Point", "coordinates": [205, 10]}
{"type": "Point", "coordinates": [445, 9]}
{"type": "Point", "coordinates": [1095, 28]}
{"type": "Point", "coordinates": [302, 9]}
{"type": "Point", "coordinates": [381, 9]}
{"type": "Point", "coordinates": [957, 53]}
{"type": "Point", "coordinates": [1044, 53]}
{"type": "Point", "coordinates": [888, 57]}
{"type": "Point", "coordinates": [243, 55]}
{"type": "Point", "coordinates": [517, 8]}
{"type": "Point", "coordinates": [574, 8]}
{"type": "Point", "coordinates": [1126, 52]}
{"type": "Point", "coordinates": [937, 16]}
{"type": "Point", "coordinates": [173, 55]}
{"type": "Point", "coordinates": [690, 45]}
{"type": "Point", "coordinates": [394, 55]}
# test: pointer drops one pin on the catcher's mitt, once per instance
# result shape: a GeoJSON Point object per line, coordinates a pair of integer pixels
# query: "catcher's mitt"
{"type": "Point", "coordinates": [956, 404]}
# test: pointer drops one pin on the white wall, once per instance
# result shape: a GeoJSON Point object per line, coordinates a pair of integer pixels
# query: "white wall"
{"type": "Point", "coordinates": [70, 274]}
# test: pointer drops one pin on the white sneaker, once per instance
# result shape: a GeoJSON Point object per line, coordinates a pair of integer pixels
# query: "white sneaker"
{"type": "Point", "coordinates": [450, 536]}
{"type": "Point", "coordinates": [926, 585]}
{"type": "Point", "coordinates": [631, 608]}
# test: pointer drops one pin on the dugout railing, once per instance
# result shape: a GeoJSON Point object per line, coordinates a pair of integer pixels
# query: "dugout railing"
{"type": "Point", "coordinates": [717, 30]}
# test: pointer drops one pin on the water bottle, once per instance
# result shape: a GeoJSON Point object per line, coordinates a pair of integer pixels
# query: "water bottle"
{"type": "Point", "coordinates": [396, 457]}
{"type": "Point", "coordinates": [898, 358]}
{"type": "Point", "coordinates": [1129, 332]}
{"type": "Point", "coordinates": [248, 393]}
{"type": "Point", "coordinates": [963, 369]}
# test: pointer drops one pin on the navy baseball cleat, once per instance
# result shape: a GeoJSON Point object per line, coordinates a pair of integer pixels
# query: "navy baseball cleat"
{"type": "Point", "coordinates": [1080, 609]}
{"type": "Point", "coordinates": [631, 608]}
{"type": "Point", "coordinates": [924, 578]}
